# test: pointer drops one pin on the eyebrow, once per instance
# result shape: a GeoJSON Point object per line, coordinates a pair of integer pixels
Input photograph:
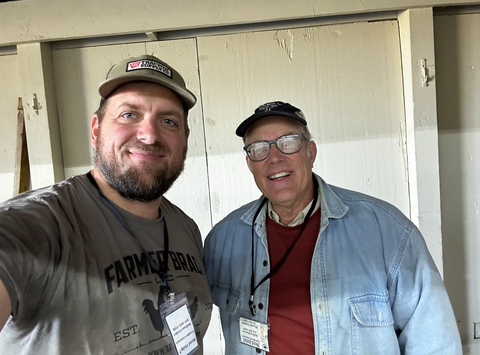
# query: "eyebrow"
{"type": "Point", "coordinates": [138, 107]}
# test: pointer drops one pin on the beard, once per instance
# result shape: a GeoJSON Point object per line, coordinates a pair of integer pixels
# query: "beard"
{"type": "Point", "coordinates": [143, 184]}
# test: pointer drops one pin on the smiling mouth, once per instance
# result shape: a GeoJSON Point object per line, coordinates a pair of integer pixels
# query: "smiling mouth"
{"type": "Point", "coordinates": [279, 175]}
{"type": "Point", "coordinates": [146, 154]}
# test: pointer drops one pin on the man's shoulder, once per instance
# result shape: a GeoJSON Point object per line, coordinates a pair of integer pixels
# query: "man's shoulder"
{"type": "Point", "coordinates": [58, 202]}
{"type": "Point", "coordinates": [42, 196]}
{"type": "Point", "coordinates": [237, 214]}
{"type": "Point", "coordinates": [235, 219]}
{"type": "Point", "coordinates": [175, 214]}
{"type": "Point", "coordinates": [170, 208]}
{"type": "Point", "coordinates": [359, 202]}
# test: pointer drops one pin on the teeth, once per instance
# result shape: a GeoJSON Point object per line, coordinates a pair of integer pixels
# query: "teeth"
{"type": "Point", "coordinates": [279, 175]}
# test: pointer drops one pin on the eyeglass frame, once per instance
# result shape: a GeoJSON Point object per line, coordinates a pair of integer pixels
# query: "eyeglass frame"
{"type": "Point", "coordinates": [274, 141]}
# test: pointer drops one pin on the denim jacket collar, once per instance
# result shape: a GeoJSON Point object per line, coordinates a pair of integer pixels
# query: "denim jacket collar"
{"type": "Point", "coordinates": [331, 206]}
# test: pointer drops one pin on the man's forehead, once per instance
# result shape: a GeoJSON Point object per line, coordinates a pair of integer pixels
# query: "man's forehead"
{"type": "Point", "coordinates": [135, 91]}
{"type": "Point", "coordinates": [278, 122]}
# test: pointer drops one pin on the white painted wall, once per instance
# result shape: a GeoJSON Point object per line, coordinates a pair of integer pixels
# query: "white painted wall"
{"type": "Point", "coordinates": [9, 94]}
{"type": "Point", "coordinates": [346, 78]}
{"type": "Point", "coordinates": [458, 86]}
{"type": "Point", "coordinates": [360, 81]}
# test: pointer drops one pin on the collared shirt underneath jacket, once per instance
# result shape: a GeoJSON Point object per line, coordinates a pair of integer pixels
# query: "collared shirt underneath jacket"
{"type": "Point", "coordinates": [374, 286]}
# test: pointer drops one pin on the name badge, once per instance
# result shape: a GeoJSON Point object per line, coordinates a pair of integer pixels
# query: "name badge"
{"type": "Point", "coordinates": [177, 319]}
{"type": "Point", "coordinates": [254, 334]}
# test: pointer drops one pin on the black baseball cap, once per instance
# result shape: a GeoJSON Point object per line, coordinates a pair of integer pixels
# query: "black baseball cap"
{"type": "Point", "coordinates": [274, 108]}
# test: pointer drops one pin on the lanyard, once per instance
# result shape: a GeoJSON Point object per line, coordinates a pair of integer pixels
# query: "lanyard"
{"type": "Point", "coordinates": [161, 273]}
{"type": "Point", "coordinates": [287, 253]}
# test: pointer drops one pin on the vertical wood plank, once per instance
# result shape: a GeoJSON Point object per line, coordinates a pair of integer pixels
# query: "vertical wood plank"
{"type": "Point", "coordinates": [40, 109]}
{"type": "Point", "coordinates": [416, 36]}
{"type": "Point", "coordinates": [9, 93]}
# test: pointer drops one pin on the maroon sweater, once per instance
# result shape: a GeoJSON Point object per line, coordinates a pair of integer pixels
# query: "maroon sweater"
{"type": "Point", "coordinates": [289, 310]}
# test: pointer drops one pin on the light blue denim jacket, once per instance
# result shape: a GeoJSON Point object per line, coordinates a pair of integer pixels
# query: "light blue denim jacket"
{"type": "Point", "coordinates": [374, 286]}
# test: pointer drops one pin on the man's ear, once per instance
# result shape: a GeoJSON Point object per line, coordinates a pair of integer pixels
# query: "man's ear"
{"type": "Point", "coordinates": [312, 150]}
{"type": "Point", "coordinates": [248, 163]}
{"type": "Point", "coordinates": [95, 128]}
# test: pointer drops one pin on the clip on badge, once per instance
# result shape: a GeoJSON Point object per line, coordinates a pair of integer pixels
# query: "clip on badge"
{"type": "Point", "coordinates": [177, 319]}
{"type": "Point", "coordinates": [254, 334]}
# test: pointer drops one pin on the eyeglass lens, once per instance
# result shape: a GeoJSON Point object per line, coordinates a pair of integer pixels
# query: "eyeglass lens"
{"type": "Point", "coordinates": [288, 144]}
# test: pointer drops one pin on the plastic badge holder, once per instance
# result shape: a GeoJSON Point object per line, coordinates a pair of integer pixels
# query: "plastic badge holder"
{"type": "Point", "coordinates": [177, 319]}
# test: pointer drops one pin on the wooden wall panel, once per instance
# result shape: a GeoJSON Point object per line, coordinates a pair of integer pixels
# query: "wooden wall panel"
{"type": "Point", "coordinates": [347, 79]}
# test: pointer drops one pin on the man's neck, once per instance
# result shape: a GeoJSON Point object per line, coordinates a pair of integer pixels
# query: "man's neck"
{"type": "Point", "coordinates": [286, 214]}
{"type": "Point", "coordinates": [299, 218]}
{"type": "Point", "coordinates": [289, 210]}
{"type": "Point", "coordinates": [147, 210]}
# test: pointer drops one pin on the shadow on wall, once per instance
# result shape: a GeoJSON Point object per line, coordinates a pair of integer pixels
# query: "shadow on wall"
{"type": "Point", "coordinates": [455, 95]}
{"type": "Point", "coordinates": [74, 114]}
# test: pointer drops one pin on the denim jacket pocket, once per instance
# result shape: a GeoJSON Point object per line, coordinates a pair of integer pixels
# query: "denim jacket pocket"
{"type": "Point", "coordinates": [372, 310]}
{"type": "Point", "coordinates": [372, 325]}
{"type": "Point", "coordinates": [226, 298]}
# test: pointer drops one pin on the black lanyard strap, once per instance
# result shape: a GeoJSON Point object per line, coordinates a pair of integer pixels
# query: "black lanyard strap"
{"type": "Point", "coordinates": [287, 253]}
{"type": "Point", "coordinates": [161, 273]}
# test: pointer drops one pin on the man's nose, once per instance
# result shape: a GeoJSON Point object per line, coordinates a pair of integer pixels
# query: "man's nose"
{"type": "Point", "coordinates": [147, 131]}
{"type": "Point", "coordinates": [275, 155]}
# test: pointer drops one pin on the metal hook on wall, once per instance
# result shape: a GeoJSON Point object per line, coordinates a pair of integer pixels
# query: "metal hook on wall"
{"type": "Point", "coordinates": [423, 65]}
{"type": "Point", "coordinates": [35, 106]}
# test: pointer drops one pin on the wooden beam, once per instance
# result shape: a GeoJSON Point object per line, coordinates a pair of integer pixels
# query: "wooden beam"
{"type": "Point", "coordinates": [32, 21]}
{"type": "Point", "coordinates": [418, 58]}
{"type": "Point", "coordinates": [153, 36]}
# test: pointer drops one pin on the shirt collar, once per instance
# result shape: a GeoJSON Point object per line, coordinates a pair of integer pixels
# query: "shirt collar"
{"type": "Point", "coordinates": [331, 204]}
{"type": "Point", "coordinates": [300, 216]}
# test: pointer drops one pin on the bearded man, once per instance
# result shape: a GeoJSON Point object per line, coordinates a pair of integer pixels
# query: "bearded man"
{"type": "Point", "coordinates": [87, 264]}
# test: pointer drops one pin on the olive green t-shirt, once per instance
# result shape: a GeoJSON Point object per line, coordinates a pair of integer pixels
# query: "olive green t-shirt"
{"type": "Point", "coordinates": [80, 283]}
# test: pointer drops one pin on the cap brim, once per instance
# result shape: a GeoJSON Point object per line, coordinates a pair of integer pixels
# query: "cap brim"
{"type": "Point", "coordinates": [250, 121]}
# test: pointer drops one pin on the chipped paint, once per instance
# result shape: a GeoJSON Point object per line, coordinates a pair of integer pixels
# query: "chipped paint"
{"type": "Point", "coordinates": [336, 33]}
{"type": "Point", "coordinates": [285, 40]}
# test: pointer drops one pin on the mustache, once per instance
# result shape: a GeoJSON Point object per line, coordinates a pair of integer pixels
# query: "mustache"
{"type": "Point", "coordinates": [156, 147]}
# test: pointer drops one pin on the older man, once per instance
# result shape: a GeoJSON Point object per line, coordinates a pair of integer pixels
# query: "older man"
{"type": "Point", "coordinates": [87, 265]}
{"type": "Point", "coordinates": [311, 268]}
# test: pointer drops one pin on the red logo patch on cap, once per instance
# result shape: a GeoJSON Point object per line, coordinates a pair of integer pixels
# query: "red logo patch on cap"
{"type": "Point", "coordinates": [133, 65]}
{"type": "Point", "coordinates": [150, 64]}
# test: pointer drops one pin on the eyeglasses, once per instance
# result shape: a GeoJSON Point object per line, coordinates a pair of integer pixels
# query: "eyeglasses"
{"type": "Point", "coordinates": [287, 144]}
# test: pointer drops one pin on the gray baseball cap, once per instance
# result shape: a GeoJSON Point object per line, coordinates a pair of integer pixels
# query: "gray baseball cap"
{"type": "Point", "coordinates": [147, 68]}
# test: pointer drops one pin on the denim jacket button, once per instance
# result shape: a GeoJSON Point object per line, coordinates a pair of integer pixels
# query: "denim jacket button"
{"type": "Point", "coordinates": [265, 262]}
{"type": "Point", "coordinates": [260, 306]}
{"type": "Point", "coordinates": [259, 351]}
